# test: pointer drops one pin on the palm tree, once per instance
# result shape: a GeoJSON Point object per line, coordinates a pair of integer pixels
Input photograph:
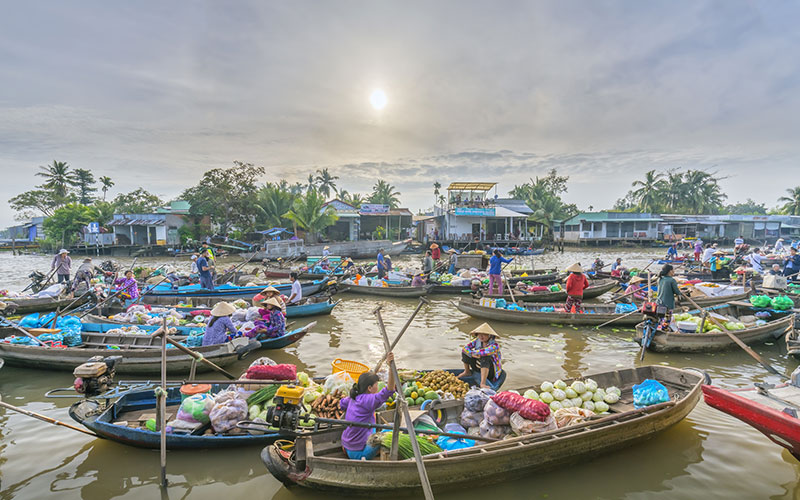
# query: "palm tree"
{"type": "Point", "coordinates": [107, 183]}
{"type": "Point", "coordinates": [311, 182]}
{"type": "Point", "coordinates": [355, 199]}
{"type": "Point", "coordinates": [326, 182]}
{"type": "Point", "coordinates": [272, 202]}
{"type": "Point", "coordinates": [791, 203]}
{"type": "Point", "coordinates": [384, 193]}
{"type": "Point", "coordinates": [647, 194]}
{"type": "Point", "coordinates": [310, 213]}
{"type": "Point", "coordinates": [436, 187]}
{"type": "Point", "coordinates": [58, 178]}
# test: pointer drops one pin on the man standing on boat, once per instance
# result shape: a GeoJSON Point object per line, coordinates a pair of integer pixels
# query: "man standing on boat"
{"type": "Point", "coordinates": [792, 266]}
{"type": "Point", "coordinates": [61, 264]}
{"type": "Point", "coordinates": [297, 289]}
{"type": "Point", "coordinates": [381, 264]}
{"type": "Point", "coordinates": [204, 270]}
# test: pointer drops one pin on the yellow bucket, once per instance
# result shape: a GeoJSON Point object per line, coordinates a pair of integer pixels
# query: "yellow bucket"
{"type": "Point", "coordinates": [353, 368]}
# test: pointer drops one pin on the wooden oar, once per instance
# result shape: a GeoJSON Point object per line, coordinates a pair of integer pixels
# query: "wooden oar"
{"type": "Point", "coordinates": [9, 323]}
{"type": "Point", "coordinates": [739, 342]}
{"type": "Point", "coordinates": [197, 356]}
{"type": "Point", "coordinates": [162, 406]}
{"type": "Point", "coordinates": [422, 301]}
{"type": "Point", "coordinates": [401, 402]}
{"type": "Point", "coordinates": [43, 418]}
{"type": "Point", "coordinates": [615, 319]}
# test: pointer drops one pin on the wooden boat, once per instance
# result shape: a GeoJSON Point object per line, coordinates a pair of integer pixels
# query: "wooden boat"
{"type": "Point", "coordinates": [595, 314]}
{"type": "Point", "coordinates": [540, 278]}
{"type": "Point", "coordinates": [793, 339]}
{"type": "Point", "coordinates": [772, 410]}
{"type": "Point", "coordinates": [165, 295]}
{"type": "Point", "coordinates": [319, 462]}
{"type": "Point", "coordinates": [310, 306]}
{"type": "Point", "coordinates": [699, 342]}
{"type": "Point", "coordinates": [387, 291]}
{"type": "Point", "coordinates": [45, 304]}
{"type": "Point", "coordinates": [595, 289]}
{"type": "Point", "coordinates": [121, 422]}
{"type": "Point", "coordinates": [359, 249]}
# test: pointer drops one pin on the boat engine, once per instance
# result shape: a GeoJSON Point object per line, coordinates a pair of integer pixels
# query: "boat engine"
{"type": "Point", "coordinates": [286, 412]}
{"type": "Point", "coordinates": [37, 281]}
{"type": "Point", "coordinates": [96, 375]}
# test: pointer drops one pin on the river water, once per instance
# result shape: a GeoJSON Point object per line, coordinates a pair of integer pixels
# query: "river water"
{"type": "Point", "coordinates": [708, 455]}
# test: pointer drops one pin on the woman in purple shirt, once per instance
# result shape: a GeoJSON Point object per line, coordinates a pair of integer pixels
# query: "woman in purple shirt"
{"type": "Point", "coordinates": [129, 285]}
{"type": "Point", "coordinates": [365, 398]}
{"type": "Point", "coordinates": [220, 324]}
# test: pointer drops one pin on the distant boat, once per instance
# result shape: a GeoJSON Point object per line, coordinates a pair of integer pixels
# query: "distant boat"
{"type": "Point", "coordinates": [362, 249]}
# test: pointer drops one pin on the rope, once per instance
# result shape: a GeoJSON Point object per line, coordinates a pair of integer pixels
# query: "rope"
{"type": "Point", "coordinates": [199, 357]}
{"type": "Point", "coordinates": [158, 392]}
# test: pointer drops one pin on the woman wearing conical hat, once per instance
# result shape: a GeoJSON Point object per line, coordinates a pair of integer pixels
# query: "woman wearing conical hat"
{"type": "Point", "coordinates": [219, 324]}
{"type": "Point", "coordinates": [483, 365]}
{"type": "Point", "coordinates": [576, 284]}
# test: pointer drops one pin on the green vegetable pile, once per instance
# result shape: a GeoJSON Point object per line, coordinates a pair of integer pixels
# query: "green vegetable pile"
{"type": "Point", "coordinates": [404, 448]}
{"type": "Point", "coordinates": [761, 301]}
{"type": "Point", "coordinates": [782, 303]}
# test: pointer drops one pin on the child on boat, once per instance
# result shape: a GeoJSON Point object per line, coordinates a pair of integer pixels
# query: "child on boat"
{"type": "Point", "coordinates": [365, 398]}
{"type": "Point", "coordinates": [483, 365]}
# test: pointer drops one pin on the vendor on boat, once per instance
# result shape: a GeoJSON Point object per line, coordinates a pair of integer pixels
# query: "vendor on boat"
{"type": "Point", "coordinates": [495, 270]}
{"type": "Point", "coordinates": [778, 247]}
{"type": "Point", "coordinates": [436, 252]}
{"type": "Point", "coordinates": [427, 263]}
{"type": "Point", "coordinates": [698, 250]}
{"type": "Point", "coordinates": [194, 272]}
{"type": "Point", "coordinates": [597, 265]}
{"type": "Point", "coordinates": [483, 363]}
{"type": "Point", "coordinates": [667, 291]}
{"type": "Point", "coordinates": [273, 318]}
{"type": "Point", "coordinates": [708, 253]}
{"type": "Point", "coordinates": [128, 285]}
{"type": "Point", "coordinates": [270, 292]}
{"type": "Point", "coordinates": [718, 265]}
{"type": "Point", "coordinates": [792, 265]}
{"type": "Point", "coordinates": [365, 397]}
{"type": "Point", "coordinates": [776, 270]}
{"type": "Point", "coordinates": [452, 261]}
{"type": "Point", "coordinates": [387, 261]}
{"type": "Point", "coordinates": [418, 280]}
{"type": "Point", "coordinates": [348, 264]}
{"type": "Point", "coordinates": [617, 269]}
{"type": "Point", "coordinates": [219, 324]}
{"type": "Point", "coordinates": [754, 259]}
{"type": "Point", "coordinates": [61, 265]}
{"type": "Point", "coordinates": [84, 274]}
{"type": "Point", "coordinates": [636, 289]}
{"type": "Point", "coordinates": [575, 285]}
{"type": "Point", "coordinates": [208, 253]}
{"type": "Point", "coordinates": [672, 252]}
{"type": "Point", "coordinates": [204, 270]}
{"type": "Point", "coordinates": [380, 264]}
{"type": "Point", "coordinates": [297, 289]}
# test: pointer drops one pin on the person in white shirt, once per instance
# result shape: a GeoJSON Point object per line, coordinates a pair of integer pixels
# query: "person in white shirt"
{"type": "Point", "coordinates": [708, 253]}
{"type": "Point", "coordinates": [297, 289]}
{"type": "Point", "coordinates": [755, 260]}
{"type": "Point", "coordinates": [194, 269]}
{"type": "Point", "coordinates": [778, 246]}
{"type": "Point", "coordinates": [738, 241]}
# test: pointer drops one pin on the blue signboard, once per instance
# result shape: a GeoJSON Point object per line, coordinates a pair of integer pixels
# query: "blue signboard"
{"type": "Point", "coordinates": [94, 227]}
{"type": "Point", "coordinates": [477, 212]}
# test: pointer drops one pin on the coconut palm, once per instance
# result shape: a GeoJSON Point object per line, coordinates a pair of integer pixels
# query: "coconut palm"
{"type": "Point", "coordinates": [58, 178]}
{"type": "Point", "coordinates": [436, 187]}
{"type": "Point", "coordinates": [648, 192]}
{"type": "Point", "coordinates": [273, 201]}
{"type": "Point", "coordinates": [791, 203]}
{"type": "Point", "coordinates": [326, 183]}
{"type": "Point", "coordinates": [310, 213]}
{"type": "Point", "coordinates": [384, 193]}
{"type": "Point", "coordinates": [106, 184]}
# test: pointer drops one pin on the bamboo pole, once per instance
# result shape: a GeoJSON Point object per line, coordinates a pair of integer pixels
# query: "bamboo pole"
{"type": "Point", "coordinates": [422, 301]}
{"type": "Point", "coordinates": [162, 406]}
{"type": "Point", "coordinates": [43, 418]}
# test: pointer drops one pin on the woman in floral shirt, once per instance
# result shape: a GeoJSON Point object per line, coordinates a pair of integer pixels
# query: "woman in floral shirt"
{"type": "Point", "coordinates": [129, 285]}
{"type": "Point", "coordinates": [482, 360]}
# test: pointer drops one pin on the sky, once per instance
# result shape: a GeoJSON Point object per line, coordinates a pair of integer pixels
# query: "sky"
{"type": "Point", "coordinates": [155, 93]}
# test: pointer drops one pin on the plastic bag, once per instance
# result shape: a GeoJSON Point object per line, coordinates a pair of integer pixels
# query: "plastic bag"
{"type": "Point", "coordinates": [471, 418]}
{"type": "Point", "coordinates": [495, 414]}
{"type": "Point", "coordinates": [569, 416]}
{"type": "Point", "coordinates": [761, 300]}
{"type": "Point", "coordinates": [476, 399]}
{"type": "Point", "coordinates": [521, 425]}
{"type": "Point", "coordinates": [494, 431]}
{"type": "Point", "coordinates": [196, 408]}
{"type": "Point", "coordinates": [649, 392]}
{"type": "Point", "coordinates": [239, 315]}
{"type": "Point", "coordinates": [341, 381]}
{"type": "Point", "coordinates": [451, 443]}
{"type": "Point", "coordinates": [227, 414]}
{"type": "Point", "coordinates": [252, 314]}
{"type": "Point", "coordinates": [624, 308]}
{"type": "Point", "coordinates": [529, 409]}
{"type": "Point", "coordinates": [263, 360]}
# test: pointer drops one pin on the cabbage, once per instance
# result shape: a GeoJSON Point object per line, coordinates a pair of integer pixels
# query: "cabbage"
{"type": "Point", "coordinates": [588, 405]}
{"type": "Point", "coordinates": [599, 394]}
{"type": "Point", "coordinates": [586, 396]}
{"type": "Point", "coordinates": [570, 392]}
{"type": "Point", "coordinates": [559, 395]}
{"type": "Point", "coordinates": [579, 387]}
{"type": "Point", "coordinates": [591, 385]}
{"type": "Point", "coordinates": [531, 394]}
{"type": "Point", "coordinates": [567, 403]}
{"type": "Point", "coordinates": [577, 402]}
{"type": "Point", "coordinates": [555, 405]}
{"type": "Point", "coordinates": [253, 412]}
{"type": "Point", "coordinates": [611, 398]}
{"type": "Point", "coordinates": [546, 397]}
{"type": "Point", "coordinates": [302, 377]}
{"type": "Point", "coordinates": [560, 384]}
{"type": "Point", "coordinates": [614, 389]}
{"type": "Point", "coordinates": [600, 407]}
{"type": "Point", "coordinates": [546, 387]}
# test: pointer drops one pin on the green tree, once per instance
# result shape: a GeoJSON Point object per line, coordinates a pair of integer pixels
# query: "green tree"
{"type": "Point", "coordinates": [543, 196]}
{"type": "Point", "coordinates": [385, 194]}
{"type": "Point", "coordinates": [310, 213]}
{"type": "Point", "coordinates": [749, 207]}
{"type": "Point", "coordinates": [106, 184]}
{"type": "Point", "coordinates": [64, 226]}
{"type": "Point", "coordinates": [138, 201]}
{"type": "Point", "coordinates": [646, 193]}
{"type": "Point", "coordinates": [58, 178]}
{"type": "Point", "coordinates": [354, 199]}
{"type": "Point", "coordinates": [227, 195]}
{"type": "Point", "coordinates": [437, 197]}
{"type": "Point", "coordinates": [791, 203]}
{"type": "Point", "coordinates": [35, 200]}
{"type": "Point", "coordinates": [104, 212]}
{"type": "Point", "coordinates": [326, 183]}
{"type": "Point", "coordinates": [273, 201]}
{"type": "Point", "coordinates": [84, 183]}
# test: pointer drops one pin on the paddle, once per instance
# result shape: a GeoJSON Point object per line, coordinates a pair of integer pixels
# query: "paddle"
{"type": "Point", "coordinates": [401, 402]}
{"type": "Point", "coordinates": [9, 323]}
{"type": "Point", "coordinates": [233, 271]}
{"type": "Point", "coordinates": [44, 418]}
{"type": "Point", "coordinates": [162, 406]}
{"type": "Point", "coordinates": [195, 355]}
{"type": "Point", "coordinates": [422, 301]}
{"type": "Point", "coordinates": [738, 342]}
{"type": "Point", "coordinates": [615, 319]}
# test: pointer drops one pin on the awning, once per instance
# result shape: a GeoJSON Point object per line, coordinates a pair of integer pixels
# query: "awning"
{"type": "Point", "coordinates": [137, 222]}
{"type": "Point", "coordinates": [504, 212]}
{"type": "Point", "coordinates": [471, 186]}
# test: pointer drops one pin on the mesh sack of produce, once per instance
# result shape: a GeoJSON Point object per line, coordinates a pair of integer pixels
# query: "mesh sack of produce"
{"type": "Point", "coordinates": [782, 303]}
{"type": "Point", "coordinates": [761, 300]}
{"type": "Point", "coordinates": [649, 392]}
{"type": "Point", "coordinates": [54, 337]}
{"type": "Point", "coordinates": [276, 372]}
{"type": "Point", "coordinates": [227, 414]}
{"type": "Point", "coordinates": [72, 335]}
{"type": "Point", "coordinates": [521, 425]}
{"type": "Point", "coordinates": [196, 408]}
{"type": "Point", "coordinates": [239, 316]}
{"type": "Point", "coordinates": [570, 416]}
{"type": "Point", "coordinates": [471, 418]}
{"type": "Point", "coordinates": [530, 409]}
{"type": "Point", "coordinates": [494, 431]}
{"type": "Point", "coordinates": [495, 414]}
{"type": "Point", "coordinates": [476, 399]}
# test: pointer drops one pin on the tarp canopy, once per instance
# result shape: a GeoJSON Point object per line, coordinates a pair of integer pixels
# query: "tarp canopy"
{"type": "Point", "coordinates": [471, 186]}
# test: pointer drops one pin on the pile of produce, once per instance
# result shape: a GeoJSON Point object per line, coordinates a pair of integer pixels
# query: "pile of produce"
{"type": "Point", "coordinates": [709, 326]}
{"type": "Point", "coordinates": [580, 394]}
{"type": "Point", "coordinates": [404, 448]}
{"type": "Point", "coordinates": [782, 303]}
{"type": "Point", "coordinates": [327, 405]}
{"type": "Point", "coordinates": [761, 300]}
{"type": "Point", "coordinates": [440, 380]}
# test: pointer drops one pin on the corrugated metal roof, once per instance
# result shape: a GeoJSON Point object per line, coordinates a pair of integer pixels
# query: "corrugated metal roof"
{"type": "Point", "coordinates": [471, 186]}
{"type": "Point", "coordinates": [613, 217]}
{"type": "Point", "coordinates": [137, 222]}
{"type": "Point", "coordinates": [392, 211]}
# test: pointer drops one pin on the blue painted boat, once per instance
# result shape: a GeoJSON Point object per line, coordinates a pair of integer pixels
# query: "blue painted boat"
{"type": "Point", "coordinates": [311, 309]}
{"type": "Point", "coordinates": [227, 291]}
{"type": "Point", "coordinates": [130, 407]}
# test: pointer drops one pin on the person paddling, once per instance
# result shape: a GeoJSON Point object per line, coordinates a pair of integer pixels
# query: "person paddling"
{"type": "Point", "coordinates": [61, 265]}
{"type": "Point", "coordinates": [575, 285]}
{"type": "Point", "coordinates": [667, 292]}
{"type": "Point", "coordinates": [495, 270]}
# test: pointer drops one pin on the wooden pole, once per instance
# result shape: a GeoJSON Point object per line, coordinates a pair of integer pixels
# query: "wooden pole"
{"type": "Point", "coordinates": [44, 418]}
{"type": "Point", "coordinates": [197, 356]}
{"type": "Point", "coordinates": [423, 474]}
{"type": "Point", "coordinates": [422, 301]}
{"type": "Point", "coordinates": [6, 322]}
{"type": "Point", "coordinates": [162, 406]}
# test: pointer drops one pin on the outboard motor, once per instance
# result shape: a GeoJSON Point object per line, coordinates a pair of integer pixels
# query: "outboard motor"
{"type": "Point", "coordinates": [96, 375]}
{"type": "Point", "coordinates": [37, 281]}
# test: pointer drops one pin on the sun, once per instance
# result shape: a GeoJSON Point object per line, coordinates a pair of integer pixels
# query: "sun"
{"type": "Point", "coordinates": [378, 99]}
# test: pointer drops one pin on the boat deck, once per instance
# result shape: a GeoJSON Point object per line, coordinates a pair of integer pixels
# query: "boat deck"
{"type": "Point", "coordinates": [788, 393]}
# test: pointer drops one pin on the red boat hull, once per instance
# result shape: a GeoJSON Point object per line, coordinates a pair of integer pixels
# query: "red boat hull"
{"type": "Point", "coordinates": [780, 428]}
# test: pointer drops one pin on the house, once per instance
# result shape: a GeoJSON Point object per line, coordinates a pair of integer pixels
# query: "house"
{"type": "Point", "coordinates": [471, 212]}
{"type": "Point", "coordinates": [29, 231]}
{"type": "Point", "coordinates": [396, 222]}
{"type": "Point", "coordinates": [147, 229]}
{"type": "Point", "coordinates": [609, 227]}
{"type": "Point", "coordinates": [348, 225]}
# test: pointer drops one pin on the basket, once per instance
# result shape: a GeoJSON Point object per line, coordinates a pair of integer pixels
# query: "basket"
{"type": "Point", "coordinates": [353, 368]}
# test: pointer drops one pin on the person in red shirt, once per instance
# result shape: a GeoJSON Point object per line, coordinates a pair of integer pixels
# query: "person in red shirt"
{"type": "Point", "coordinates": [576, 284]}
{"type": "Point", "coordinates": [436, 252]}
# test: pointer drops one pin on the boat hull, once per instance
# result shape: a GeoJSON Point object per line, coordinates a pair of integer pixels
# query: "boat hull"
{"type": "Point", "coordinates": [27, 306]}
{"type": "Point", "coordinates": [396, 292]}
{"type": "Point", "coordinates": [362, 249]}
{"type": "Point", "coordinates": [473, 308]}
{"type": "Point", "coordinates": [593, 291]}
{"type": "Point", "coordinates": [210, 297]}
